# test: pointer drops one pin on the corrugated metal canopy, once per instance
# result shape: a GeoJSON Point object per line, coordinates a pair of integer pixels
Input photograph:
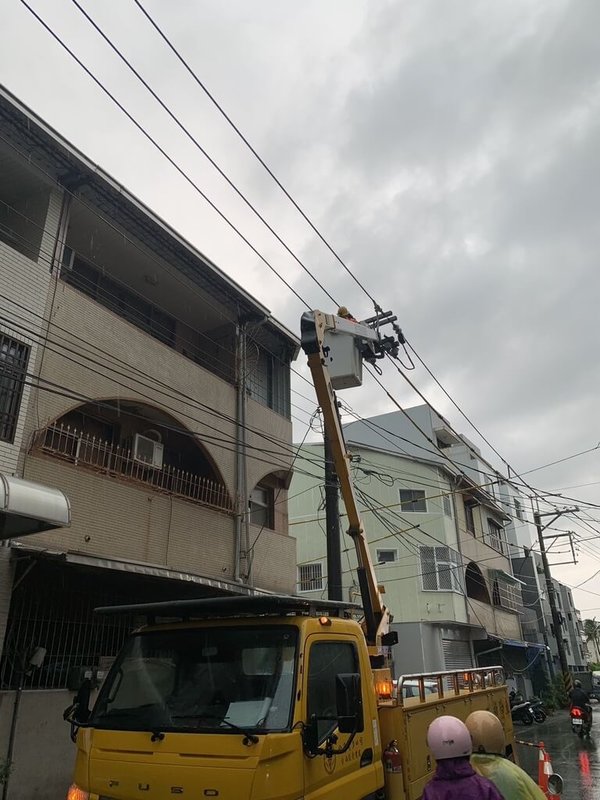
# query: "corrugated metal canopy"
{"type": "Point", "coordinates": [27, 508]}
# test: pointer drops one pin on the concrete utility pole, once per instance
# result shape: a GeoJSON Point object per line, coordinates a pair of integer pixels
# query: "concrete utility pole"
{"type": "Point", "coordinates": [562, 656]}
{"type": "Point", "coordinates": [332, 525]}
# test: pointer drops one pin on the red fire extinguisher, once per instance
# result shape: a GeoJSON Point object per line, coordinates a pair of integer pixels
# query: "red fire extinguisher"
{"type": "Point", "coordinates": [392, 761]}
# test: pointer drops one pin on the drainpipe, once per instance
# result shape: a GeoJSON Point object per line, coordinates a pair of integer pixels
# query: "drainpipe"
{"type": "Point", "coordinates": [240, 442]}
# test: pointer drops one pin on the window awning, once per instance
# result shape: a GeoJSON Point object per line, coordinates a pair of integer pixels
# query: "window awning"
{"type": "Point", "coordinates": [506, 577]}
{"type": "Point", "coordinates": [27, 508]}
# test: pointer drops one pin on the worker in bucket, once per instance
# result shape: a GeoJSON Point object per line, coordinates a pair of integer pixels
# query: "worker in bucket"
{"type": "Point", "coordinates": [487, 737]}
{"type": "Point", "coordinates": [449, 740]}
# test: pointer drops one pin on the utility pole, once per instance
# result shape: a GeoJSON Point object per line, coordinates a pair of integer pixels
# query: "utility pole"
{"type": "Point", "coordinates": [332, 525]}
{"type": "Point", "coordinates": [562, 656]}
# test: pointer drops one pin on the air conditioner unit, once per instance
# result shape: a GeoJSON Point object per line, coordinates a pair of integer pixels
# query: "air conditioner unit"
{"type": "Point", "coordinates": [148, 451]}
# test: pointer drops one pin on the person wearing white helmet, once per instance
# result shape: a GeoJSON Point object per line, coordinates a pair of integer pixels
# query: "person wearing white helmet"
{"type": "Point", "coordinates": [487, 737]}
{"type": "Point", "coordinates": [455, 779]}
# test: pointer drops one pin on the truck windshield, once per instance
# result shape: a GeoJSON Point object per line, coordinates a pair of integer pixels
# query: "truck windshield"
{"type": "Point", "coordinates": [202, 679]}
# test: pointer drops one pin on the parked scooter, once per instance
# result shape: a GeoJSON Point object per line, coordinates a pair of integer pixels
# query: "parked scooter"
{"type": "Point", "coordinates": [539, 712]}
{"type": "Point", "coordinates": [520, 710]}
{"type": "Point", "coordinates": [581, 721]}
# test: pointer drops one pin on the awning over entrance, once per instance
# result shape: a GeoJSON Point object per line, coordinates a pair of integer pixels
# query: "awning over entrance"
{"type": "Point", "coordinates": [27, 508]}
{"type": "Point", "coordinates": [140, 568]}
{"type": "Point", "coordinates": [517, 643]}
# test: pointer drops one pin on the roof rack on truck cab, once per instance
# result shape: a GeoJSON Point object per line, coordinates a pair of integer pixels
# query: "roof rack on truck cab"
{"type": "Point", "coordinates": [223, 607]}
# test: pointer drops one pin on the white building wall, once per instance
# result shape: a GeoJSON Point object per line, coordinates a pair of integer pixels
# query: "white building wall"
{"type": "Point", "coordinates": [25, 286]}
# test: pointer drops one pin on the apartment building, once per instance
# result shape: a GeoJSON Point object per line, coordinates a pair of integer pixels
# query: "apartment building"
{"type": "Point", "coordinates": [437, 537]}
{"type": "Point", "coordinates": [140, 380]}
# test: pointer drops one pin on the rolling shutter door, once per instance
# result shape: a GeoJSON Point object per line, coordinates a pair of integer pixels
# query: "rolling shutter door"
{"type": "Point", "coordinates": [457, 654]}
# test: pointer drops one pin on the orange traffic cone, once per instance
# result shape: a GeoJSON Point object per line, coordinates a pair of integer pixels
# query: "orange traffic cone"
{"type": "Point", "coordinates": [542, 776]}
{"type": "Point", "coordinates": [544, 770]}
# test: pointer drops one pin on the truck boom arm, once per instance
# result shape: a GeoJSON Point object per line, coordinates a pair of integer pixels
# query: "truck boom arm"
{"type": "Point", "coordinates": [320, 332]}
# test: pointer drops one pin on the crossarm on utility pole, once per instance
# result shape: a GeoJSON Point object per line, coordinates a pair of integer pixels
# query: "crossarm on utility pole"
{"type": "Point", "coordinates": [314, 326]}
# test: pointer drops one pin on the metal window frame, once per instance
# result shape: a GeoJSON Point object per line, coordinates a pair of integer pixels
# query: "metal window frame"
{"type": "Point", "coordinates": [13, 370]}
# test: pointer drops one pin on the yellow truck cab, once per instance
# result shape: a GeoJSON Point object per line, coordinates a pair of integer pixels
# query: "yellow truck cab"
{"type": "Point", "coordinates": [260, 698]}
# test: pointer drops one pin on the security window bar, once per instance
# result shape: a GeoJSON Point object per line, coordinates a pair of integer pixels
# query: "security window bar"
{"type": "Point", "coordinates": [310, 577]}
{"type": "Point", "coordinates": [14, 357]}
{"type": "Point", "coordinates": [413, 500]}
{"type": "Point", "coordinates": [268, 380]}
{"type": "Point", "coordinates": [441, 569]}
{"type": "Point", "coordinates": [496, 536]}
{"type": "Point", "coordinates": [507, 596]}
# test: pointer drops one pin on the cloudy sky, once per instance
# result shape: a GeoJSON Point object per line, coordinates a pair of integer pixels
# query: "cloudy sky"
{"type": "Point", "coordinates": [449, 152]}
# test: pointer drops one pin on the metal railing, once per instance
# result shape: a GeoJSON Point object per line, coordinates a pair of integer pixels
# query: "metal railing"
{"type": "Point", "coordinates": [448, 683]}
{"type": "Point", "coordinates": [82, 449]}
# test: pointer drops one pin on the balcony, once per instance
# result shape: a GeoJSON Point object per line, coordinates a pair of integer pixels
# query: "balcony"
{"type": "Point", "coordinates": [138, 466]}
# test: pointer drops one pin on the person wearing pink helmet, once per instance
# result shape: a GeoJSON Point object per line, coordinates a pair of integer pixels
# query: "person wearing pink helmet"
{"type": "Point", "coordinates": [455, 779]}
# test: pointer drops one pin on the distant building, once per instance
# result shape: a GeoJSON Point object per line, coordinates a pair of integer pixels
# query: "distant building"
{"type": "Point", "coordinates": [436, 528]}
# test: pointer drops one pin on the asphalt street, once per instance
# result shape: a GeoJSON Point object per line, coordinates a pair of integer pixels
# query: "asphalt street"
{"type": "Point", "coordinates": [576, 760]}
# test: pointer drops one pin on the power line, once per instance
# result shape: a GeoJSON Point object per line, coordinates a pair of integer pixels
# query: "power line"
{"type": "Point", "coordinates": [254, 152]}
{"type": "Point", "coordinates": [164, 153]}
{"type": "Point", "coordinates": [200, 148]}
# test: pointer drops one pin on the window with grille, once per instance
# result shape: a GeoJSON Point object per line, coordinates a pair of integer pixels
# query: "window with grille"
{"type": "Point", "coordinates": [441, 569]}
{"type": "Point", "coordinates": [14, 356]}
{"type": "Point", "coordinates": [386, 556]}
{"type": "Point", "coordinates": [310, 577]}
{"type": "Point", "coordinates": [268, 381]}
{"type": "Point", "coordinates": [496, 537]}
{"type": "Point", "coordinates": [413, 500]}
{"type": "Point", "coordinates": [507, 595]}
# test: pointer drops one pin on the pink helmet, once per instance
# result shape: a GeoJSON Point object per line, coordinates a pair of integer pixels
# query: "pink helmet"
{"type": "Point", "coordinates": [448, 737]}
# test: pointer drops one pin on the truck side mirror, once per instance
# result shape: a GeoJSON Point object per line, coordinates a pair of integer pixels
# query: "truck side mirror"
{"type": "Point", "coordinates": [79, 711]}
{"type": "Point", "coordinates": [349, 702]}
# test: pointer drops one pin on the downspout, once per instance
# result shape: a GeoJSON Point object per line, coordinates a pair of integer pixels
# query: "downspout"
{"type": "Point", "coordinates": [240, 442]}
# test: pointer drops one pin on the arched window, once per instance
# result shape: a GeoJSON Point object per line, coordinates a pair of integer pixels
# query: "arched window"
{"type": "Point", "coordinates": [475, 584]}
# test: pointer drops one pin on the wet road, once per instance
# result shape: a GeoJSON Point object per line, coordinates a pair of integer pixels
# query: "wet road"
{"type": "Point", "coordinates": [577, 761]}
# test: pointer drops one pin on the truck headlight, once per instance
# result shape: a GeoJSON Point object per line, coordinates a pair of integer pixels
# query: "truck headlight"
{"type": "Point", "coordinates": [75, 793]}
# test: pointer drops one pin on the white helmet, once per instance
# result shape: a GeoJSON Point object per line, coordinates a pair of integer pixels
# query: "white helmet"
{"type": "Point", "coordinates": [448, 737]}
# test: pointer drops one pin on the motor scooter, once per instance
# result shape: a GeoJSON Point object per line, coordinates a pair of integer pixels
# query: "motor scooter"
{"type": "Point", "coordinates": [539, 712]}
{"type": "Point", "coordinates": [581, 721]}
{"type": "Point", "coordinates": [522, 712]}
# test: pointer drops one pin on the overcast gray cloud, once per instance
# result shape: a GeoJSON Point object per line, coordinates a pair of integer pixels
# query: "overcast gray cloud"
{"type": "Point", "coordinates": [449, 151]}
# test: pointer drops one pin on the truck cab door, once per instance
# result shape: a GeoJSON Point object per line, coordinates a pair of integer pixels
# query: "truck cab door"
{"type": "Point", "coordinates": [355, 774]}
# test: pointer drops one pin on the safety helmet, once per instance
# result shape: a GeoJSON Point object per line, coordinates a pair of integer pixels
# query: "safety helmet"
{"type": "Point", "coordinates": [342, 311]}
{"type": "Point", "coordinates": [448, 737]}
{"type": "Point", "coordinates": [486, 732]}
{"type": "Point", "coordinates": [577, 684]}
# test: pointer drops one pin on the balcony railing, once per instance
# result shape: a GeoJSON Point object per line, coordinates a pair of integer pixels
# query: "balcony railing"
{"type": "Point", "coordinates": [91, 452]}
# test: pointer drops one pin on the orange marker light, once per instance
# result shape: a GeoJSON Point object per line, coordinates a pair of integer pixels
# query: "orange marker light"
{"type": "Point", "coordinates": [384, 689]}
{"type": "Point", "coordinates": [75, 793]}
{"type": "Point", "coordinates": [325, 620]}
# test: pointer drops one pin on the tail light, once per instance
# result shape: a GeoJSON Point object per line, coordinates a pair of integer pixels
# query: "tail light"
{"type": "Point", "coordinates": [576, 712]}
